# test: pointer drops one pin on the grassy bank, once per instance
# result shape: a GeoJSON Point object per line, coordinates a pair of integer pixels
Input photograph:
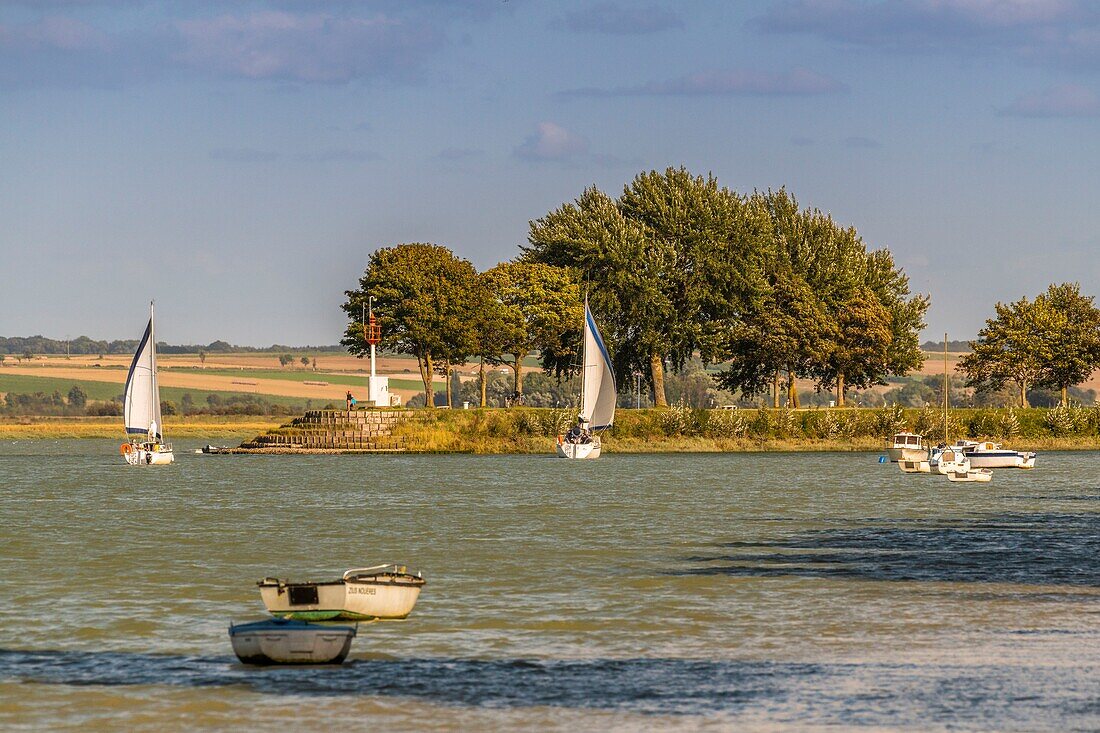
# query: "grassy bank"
{"type": "Point", "coordinates": [681, 429]}
{"type": "Point", "coordinates": [228, 428]}
{"type": "Point", "coordinates": [678, 429]}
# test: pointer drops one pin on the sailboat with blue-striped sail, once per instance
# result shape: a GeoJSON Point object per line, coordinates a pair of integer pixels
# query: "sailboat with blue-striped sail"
{"type": "Point", "coordinates": [598, 396]}
{"type": "Point", "coordinates": [145, 444]}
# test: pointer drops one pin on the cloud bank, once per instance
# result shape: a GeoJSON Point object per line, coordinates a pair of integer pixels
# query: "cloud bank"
{"type": "Point", "coordinates": [739, 82]}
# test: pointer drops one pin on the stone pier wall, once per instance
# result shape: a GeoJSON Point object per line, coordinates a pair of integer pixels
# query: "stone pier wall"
{"type": "Point", "coordinates": [323, 431]}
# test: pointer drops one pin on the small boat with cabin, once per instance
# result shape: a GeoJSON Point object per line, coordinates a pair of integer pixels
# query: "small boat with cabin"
{"type": "Point", "coordinates": [949, 459]}
{"type": "Point", "coordinates": [992, 455]}
{"type": "Point", "coordinates": [907, 447]}
{"type": "Point", "coordinates": [362, 594]}
{"type": "Point", "coordinates": [284, 641]}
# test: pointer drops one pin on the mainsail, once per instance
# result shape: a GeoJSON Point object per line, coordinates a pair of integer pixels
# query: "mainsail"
{"type": "Point", "coordinates": [141, 404]}
{"type": "Point", "coordinates": [599, 391]}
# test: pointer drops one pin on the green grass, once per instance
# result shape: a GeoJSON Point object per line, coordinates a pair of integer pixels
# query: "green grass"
{"type": "Point", "coordinates": [24, 384]}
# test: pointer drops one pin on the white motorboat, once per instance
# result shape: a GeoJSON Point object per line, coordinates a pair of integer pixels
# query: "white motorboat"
{"type": "Point", "coordinates": [282, 641]}
{"type": "Point", "coordinates": [141, 407]}
{"type": "Point", "coordinates": [980, 475]}
{"type": "Point", "coordinates": [362, 594]}
{"type": "Point", "coordinates": [991, 455]}
{"type": "Point", "coordinates": [914, 466]}
{"type": "Point", "coordinates": [907, 447]}
{"type": "Point", "coordinates": [949, 460]}
{"type": "Point", "coordinates": [598, 395]}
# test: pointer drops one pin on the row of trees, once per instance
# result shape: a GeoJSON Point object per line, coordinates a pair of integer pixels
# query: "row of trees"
{"type": "Point", "coordinates": [85, 345]}
{"type": "Point", "coordinates": [1051, 342]}
{"type": "Point", "coordinates": [676, 266]}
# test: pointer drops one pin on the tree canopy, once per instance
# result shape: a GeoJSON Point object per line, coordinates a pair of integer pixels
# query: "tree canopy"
{"type": "Point", "coordinates": [1052, 341]}
{"type": "Point", "coordinates": [423, 298]}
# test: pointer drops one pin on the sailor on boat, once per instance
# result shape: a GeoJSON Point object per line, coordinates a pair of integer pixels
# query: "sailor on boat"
{"type": "Point", "coordinates": [579, 433]}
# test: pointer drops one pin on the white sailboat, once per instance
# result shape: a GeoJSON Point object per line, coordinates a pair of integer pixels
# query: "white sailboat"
{"type": "Point", "coordinates": [598, 395]}
{"type": "Point", "coordinates": [141, 407]}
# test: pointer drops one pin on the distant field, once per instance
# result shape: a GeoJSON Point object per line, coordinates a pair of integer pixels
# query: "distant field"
{"type": "Point", "coordinates": [20, 383]}
{"type": "Point", "coordinates": [349, 380]}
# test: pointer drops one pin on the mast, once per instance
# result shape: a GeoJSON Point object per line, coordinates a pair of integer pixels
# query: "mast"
{"type": "Point", "coordinates": [946, 398]}
{"type": "Point", "coordinates": [584, 358]}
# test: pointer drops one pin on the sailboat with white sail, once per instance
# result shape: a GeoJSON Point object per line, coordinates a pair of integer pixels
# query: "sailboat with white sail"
{"type": "Point", "coordinates": [145, 444]}
{"type": "Point", "coordinates": [598, 395]}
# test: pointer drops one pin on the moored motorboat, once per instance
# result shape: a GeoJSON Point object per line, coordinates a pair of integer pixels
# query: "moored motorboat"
{"type": "Point", "coordinates": [907, 447]}
{"type": "Point", "coordinates": [988, 454]}
{"type": "Point", "coordinates": [949, 460]}
{"type": "Point", "coordinates": [283, 641]}
{"type": "Point", "coordinates": [379, 592]}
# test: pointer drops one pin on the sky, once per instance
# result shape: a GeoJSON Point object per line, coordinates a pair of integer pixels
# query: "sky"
{"type": "Point", "coordinates": [239, 161]}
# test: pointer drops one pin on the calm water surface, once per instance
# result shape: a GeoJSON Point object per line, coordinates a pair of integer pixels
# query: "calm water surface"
{"type": "Point", "coordinates": [752, 591]}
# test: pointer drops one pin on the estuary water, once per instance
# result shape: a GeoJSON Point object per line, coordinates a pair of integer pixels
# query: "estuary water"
{"type": "Point", "coordinates": [748, 591]}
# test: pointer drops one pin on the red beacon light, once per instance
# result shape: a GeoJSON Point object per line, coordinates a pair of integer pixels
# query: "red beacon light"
{"type": "Point", "coordinates": [374, 332]}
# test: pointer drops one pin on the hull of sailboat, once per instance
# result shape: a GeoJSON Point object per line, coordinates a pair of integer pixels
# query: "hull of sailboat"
{"type": "Point", "coordinates": [578, 450]}
{"type": "Point", "coordinates": [142, 457]}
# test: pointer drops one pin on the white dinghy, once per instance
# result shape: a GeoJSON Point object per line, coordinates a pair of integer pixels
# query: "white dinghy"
{"type": "Point", "coordinates": [978, 475]}
{"type": "Point", "coordinates": [281, 641]}
{"type": "Point", "coordinates": [141, 407]}
{"type": "Point", "coordinates": [598, 395]}
{"type": "Point", "coordinates": [362, 594]}
{"type": "Point", "coordinates": [915, 466]}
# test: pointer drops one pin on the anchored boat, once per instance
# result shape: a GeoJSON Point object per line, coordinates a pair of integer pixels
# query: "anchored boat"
{"type": "Point", "coordinates": [362, 594]}
{"type": "Point", "coordinates": [282, 641]}
{"type": "Point", "coordinates": [907, 447]}
{"type": "Point", "coordinates": [992, 455]}
{"type": "Point", "coordinates": [141, 407]}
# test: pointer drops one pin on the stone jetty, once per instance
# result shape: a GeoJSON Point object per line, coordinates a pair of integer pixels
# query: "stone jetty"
{"type": "Point", "coordinates": [334, 431]}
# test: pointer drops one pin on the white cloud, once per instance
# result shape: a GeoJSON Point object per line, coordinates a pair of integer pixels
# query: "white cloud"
{"type": "Point", "coordinates": [552, 142]}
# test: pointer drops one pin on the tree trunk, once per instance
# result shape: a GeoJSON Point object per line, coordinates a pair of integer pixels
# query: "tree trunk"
{"type": "Point", "coordinates": [840, 389]}
{"type": "Point", "coordinates": [775, 389]}
{"type": "Point", "coordinates": [792, 393]}
{"type": "Point", "coordinates": [657, 374]}
{"type": "Point", "coordinates": [447, 375]}
{"type": "Point", "coordinates": [1065, 395]}
{"type": "Point", "coordinates": [517, 378]}
{"type": "Point", "coordinates": [1023, 395]}
{"type": "Point", "coordinates": [426, 376]}
{"type": "Point", "coordinates": [481, 379]}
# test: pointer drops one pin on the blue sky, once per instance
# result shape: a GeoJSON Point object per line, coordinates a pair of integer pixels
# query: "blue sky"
{"type": "Point", "coordinates": [238, 161]}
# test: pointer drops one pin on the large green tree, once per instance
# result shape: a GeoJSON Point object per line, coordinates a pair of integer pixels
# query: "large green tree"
{"type": "Point", "coordinates": [539, 308]}
{"type": "Point", "coordinates": [785, 332]}
{"type": "Point", "coordinates": [424, 298]}
{"type": "Point", "coordinates": [621, 272]}
{"type": "Point", "coordinates": [1010, 348]}
{"type": "Point", "coordinates": [665, 266]}
{"type": "Point", "coordinates": [855, 289]}
{"type": "Point", "coordinates": [1073, 335]}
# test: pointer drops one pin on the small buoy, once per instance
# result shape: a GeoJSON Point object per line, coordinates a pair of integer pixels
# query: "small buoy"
{"type": "Point", "coordinates": [882, 459]}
